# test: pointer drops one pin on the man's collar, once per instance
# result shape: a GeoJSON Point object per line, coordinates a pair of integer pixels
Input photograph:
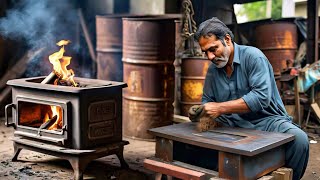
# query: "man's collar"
{"type": "Point", "coordinates": [236, 58]}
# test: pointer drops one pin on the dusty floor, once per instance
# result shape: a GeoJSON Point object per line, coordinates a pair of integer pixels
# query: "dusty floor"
{"type": "Point", "coordinates": [32, 165]}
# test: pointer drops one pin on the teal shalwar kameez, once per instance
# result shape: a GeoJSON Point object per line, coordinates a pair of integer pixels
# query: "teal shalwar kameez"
{"type": "Point", "coordinates": [252, 80]}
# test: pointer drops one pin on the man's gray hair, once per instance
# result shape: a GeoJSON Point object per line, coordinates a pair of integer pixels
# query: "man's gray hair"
{"type": "Point", "coordinates": [213, 26]}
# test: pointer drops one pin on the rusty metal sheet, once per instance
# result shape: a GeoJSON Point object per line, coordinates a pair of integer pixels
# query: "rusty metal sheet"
{"type": "Point", "coordinates": [240, 141]}
{"type": "Point", "coordinates": [233, 166]}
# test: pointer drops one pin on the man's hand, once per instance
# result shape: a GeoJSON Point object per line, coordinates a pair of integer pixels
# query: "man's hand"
{"type": "Point", "coordinates": [212, 109]}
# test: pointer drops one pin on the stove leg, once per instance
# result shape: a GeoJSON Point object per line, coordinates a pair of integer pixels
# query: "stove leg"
{"type": "Point", "coordinates": [16, 151]}
{"type": "Point", "coordinates": [78, 166]}
{"type": "Point", "coordinates": [121, 159]}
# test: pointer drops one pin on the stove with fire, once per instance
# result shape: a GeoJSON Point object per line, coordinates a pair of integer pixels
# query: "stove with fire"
{"type": "Point", "coordinates": [78, 119]}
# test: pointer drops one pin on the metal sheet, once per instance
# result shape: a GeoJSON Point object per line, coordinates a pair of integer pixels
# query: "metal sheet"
{"type": "Point", "coordinates": [234, 140]}
{"type": "Point", "coordinates": [233, 166]}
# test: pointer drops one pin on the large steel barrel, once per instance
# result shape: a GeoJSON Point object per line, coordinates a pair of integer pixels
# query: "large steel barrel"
{"type": "Point", "coordinates": [148, 56]}
{"type": "Point", "coordinates": [193, 73]}
{"type": "Point", "coordinates": [109, 47]}
{"type": "Point", "coordinates": [278, 41]}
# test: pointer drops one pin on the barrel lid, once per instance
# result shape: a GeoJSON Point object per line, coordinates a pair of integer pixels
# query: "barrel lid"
{"type": "Point", "coordinates": [124, 15]}
{"type": "Point", "coordinates": [154, 17]}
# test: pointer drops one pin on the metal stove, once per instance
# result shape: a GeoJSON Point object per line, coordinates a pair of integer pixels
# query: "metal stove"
{"type": "Point", "coordinates": [88, 126]}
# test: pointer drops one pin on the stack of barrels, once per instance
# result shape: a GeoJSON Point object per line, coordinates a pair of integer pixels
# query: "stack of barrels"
{"type": "Point", "coordinates": [148, 56]}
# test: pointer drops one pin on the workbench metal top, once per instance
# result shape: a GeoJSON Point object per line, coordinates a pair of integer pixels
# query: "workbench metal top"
{"type": "Point", "coordinates": [240, 141]}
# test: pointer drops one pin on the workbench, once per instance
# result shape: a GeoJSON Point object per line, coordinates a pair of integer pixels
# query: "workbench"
{"type": "Point", "coordinates": [235, 153]}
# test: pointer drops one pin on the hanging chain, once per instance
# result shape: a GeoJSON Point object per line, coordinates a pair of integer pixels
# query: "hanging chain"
{"type": "Point", "coordinates": [189, 25]}
{"type": "Point", "coordinates": [189, 28]}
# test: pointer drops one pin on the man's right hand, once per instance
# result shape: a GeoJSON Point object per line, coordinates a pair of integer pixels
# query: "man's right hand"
{"type": "Point", "coordinates": [212, 109]}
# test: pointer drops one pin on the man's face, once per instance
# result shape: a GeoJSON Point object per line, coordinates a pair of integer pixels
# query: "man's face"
{"type": "Point", "coordinates": [215, 50]}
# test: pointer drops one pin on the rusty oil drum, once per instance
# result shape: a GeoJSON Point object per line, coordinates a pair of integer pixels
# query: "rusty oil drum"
{"type": "Point", "coordinates": [193, 73]}
{"type": "Point", "coordinates": [148, 56]}
{"type": "Point", "coordinates": [278, 41]}
{"type": "Point", "coordinates": [109, 47]}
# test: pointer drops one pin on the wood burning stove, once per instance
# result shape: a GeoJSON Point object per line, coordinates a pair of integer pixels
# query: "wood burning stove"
{"type": "Point", "coordinates": [87, 117]}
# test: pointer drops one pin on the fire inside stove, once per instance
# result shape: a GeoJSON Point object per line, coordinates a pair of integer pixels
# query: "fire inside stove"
{"type": "Point", "coordinates": [40, 116]}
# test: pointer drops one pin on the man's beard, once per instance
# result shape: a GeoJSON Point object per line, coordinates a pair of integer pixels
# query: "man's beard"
{"type": "Point", "coordinates": [221, 61]}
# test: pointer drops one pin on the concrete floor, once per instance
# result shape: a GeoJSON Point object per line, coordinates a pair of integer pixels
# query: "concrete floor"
{"type": "Point", "coordinates": [32, 165]}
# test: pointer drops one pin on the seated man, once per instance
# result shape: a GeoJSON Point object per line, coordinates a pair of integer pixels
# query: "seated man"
{"type": "Point", "coordinates": [240, 91]}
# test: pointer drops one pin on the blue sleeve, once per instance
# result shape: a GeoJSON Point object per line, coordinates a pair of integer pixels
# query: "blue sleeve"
{"type": "Point", "coordinates": [208, 95]}
{"type": "Point", "coordinates": [260, 84]}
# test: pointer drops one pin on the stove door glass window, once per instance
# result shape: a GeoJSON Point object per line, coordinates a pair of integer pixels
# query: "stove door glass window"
{"type": "Point", "coordinates": [41, 116]}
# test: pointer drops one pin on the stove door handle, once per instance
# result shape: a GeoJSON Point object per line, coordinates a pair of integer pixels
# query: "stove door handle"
{"type": "Point", "coordinates": [6, 115]}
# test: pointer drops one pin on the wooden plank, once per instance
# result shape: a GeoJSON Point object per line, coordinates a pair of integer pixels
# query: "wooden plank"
{"type": "Point", "coordinates": [19, 68]}
{"type": "Point", "coordinates": [172, 170]}
{"type": "Point", "coordinates": [279, 175]}
{"type": "Point", "coordinates": [288, 172]}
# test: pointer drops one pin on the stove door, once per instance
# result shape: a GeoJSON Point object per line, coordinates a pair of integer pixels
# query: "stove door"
{"type": "Point", "coordinates": [46, 120]}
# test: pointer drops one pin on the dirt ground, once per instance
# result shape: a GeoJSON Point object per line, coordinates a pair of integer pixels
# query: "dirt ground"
{"type": "Point", "coordinates": [37, 166]}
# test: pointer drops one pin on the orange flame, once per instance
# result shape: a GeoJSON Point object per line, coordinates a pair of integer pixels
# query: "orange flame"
{"type": "Point", "coordinates": [55, 110]}
{"type": "Point", "coordinates": [61, 62]}
{"type": "Point", "coordinates": [58, 123]}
